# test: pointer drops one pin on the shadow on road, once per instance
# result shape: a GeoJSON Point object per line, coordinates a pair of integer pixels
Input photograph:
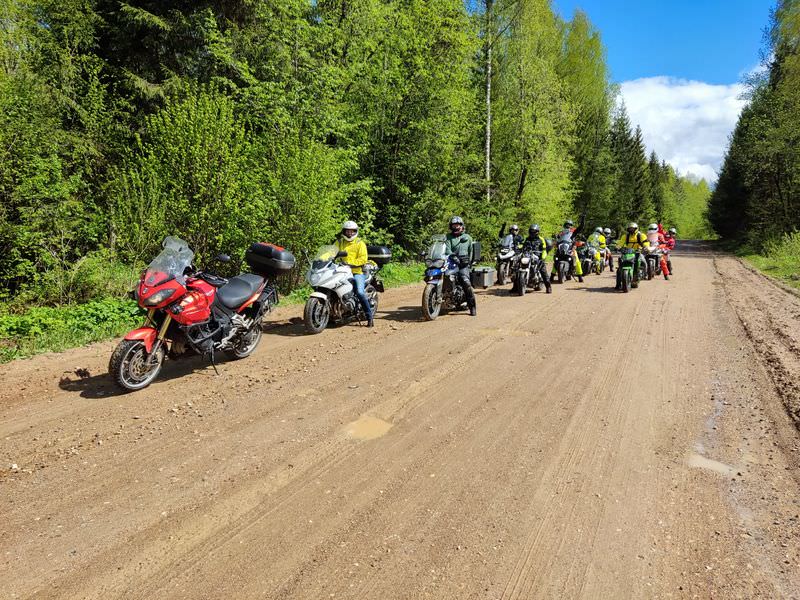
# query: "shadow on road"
{"type": "Point", "coordinates": [402, 314]}
{"type": "Point", "coordinates": [102, 386]}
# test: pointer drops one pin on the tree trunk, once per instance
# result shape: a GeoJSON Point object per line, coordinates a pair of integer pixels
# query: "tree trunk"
{"type": "Point", "coordinates": [488, 42]}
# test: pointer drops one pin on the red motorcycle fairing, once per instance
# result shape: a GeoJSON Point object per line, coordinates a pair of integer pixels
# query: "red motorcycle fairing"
{"type": "Point", "coordinates": [155, 283]}
{"type": "Point", "coordinates": [195, 306]}
{"type": "Point", "coordinates": [145, 334]}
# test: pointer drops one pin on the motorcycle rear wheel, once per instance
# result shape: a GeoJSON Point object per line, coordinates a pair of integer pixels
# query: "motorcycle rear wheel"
{"type": "Point", "coordinates": [431, 303]}
{"type": "Point", "coordinates": [316, 315]}
{"type": "Point", "coordinates": [246, 342]}
{"type": "Point", "coordinates": [132, 368]}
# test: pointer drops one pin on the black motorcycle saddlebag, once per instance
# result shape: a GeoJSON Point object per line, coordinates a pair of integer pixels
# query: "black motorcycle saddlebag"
{"type": "Point", "coordinates": [476, 252]}
{"type": "Point", "coordinates": [380, 255]}
{"type": "Point", "coordinates": [269, 260]}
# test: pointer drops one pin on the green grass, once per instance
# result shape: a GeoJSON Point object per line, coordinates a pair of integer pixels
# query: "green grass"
{"type": "Point", "coordinates": [47, 329]}
{"type": "Point", "coordinates": [53, 329]}
{"type": "Point", "coordinates": [781, 259]}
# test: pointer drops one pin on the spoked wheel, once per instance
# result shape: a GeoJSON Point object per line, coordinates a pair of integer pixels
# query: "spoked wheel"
{"type": "Point", "coordinates": [317, 314]}
{"type": "Point", "coordinates": [246, 342]}
{"type": "Point", "coordinates": [132, 368]}
{"type": "Point", "coordinates": [431, 303]}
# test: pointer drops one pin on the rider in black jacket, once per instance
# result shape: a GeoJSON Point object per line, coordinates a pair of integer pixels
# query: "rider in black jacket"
{"type": "Point", "coordinates": [537, 243]}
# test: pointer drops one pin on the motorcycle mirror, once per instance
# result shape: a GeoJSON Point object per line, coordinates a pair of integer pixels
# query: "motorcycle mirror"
{"type": "Point", "coordinates": [341, 254]}
{"type": "Point", "coordinates": [223, 258]}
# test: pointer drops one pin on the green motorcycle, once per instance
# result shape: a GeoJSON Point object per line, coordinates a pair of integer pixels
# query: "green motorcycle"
{"type": "Point", "coordinates": [628, 260]}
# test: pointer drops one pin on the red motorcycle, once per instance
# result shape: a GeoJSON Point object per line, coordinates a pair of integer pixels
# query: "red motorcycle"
{"type": "Point", "coordinates": [193, 312]}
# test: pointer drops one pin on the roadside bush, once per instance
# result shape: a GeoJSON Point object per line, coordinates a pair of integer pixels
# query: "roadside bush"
{"type": "Point", "coordinates": [44, 329]}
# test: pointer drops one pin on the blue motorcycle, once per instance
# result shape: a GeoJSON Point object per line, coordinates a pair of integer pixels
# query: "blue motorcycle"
{"type": "Point", "coordinates": [443, 288]}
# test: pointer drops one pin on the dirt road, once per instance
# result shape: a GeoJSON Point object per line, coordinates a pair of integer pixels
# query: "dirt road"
{"type": "Point", "coordinates": [581, 445]}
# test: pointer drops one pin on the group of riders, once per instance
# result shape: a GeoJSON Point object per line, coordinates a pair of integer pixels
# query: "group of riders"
{"type": "Point", "coordinates": [600, 245]}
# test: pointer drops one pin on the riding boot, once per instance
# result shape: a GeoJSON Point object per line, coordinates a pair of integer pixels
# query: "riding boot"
{"type": "Point", "coordinates": [580, 279]}
{"type": "Point", "coordinates": [370, 322]}
{"type": "Point", "coordinates": [473, 310]}
{"type": "Point", "coordinates": [549, 288]}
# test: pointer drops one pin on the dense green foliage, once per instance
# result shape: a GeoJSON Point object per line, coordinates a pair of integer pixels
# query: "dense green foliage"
{"type": "Point", "coordinates": [757, 199]}
{"type": "Point", "coordinates": [227, 121]}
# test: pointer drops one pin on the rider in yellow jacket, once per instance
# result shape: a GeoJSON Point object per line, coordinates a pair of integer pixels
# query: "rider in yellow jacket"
{"type": "Point", "coordinates": [635, 240]}
{"type": "Point", "coordinates": [356, 258]}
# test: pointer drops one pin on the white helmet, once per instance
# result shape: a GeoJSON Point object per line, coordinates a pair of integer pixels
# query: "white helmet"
{"type": "Point", "coordinates": [598, 230]}
{"type": "Point", "coordinates": [607, 231]}
{"type": "Point", "coordinates": [352, 226]}
{"type": "Point", "coordinates": [653, 227]}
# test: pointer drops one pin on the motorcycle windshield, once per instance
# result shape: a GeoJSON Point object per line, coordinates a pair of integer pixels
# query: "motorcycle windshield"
{"type": "Point", "coordinates": [324, 255]}
{"type": "Point", "coordinates": [171, 263]}
{"type": "Point", "coordinates": [437, 250]}
{"type": "Point", "coordinates": [507, 242]}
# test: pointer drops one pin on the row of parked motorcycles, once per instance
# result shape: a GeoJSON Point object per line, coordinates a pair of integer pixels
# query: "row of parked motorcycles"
{"type": "Point", "coordinates": [192, 311]}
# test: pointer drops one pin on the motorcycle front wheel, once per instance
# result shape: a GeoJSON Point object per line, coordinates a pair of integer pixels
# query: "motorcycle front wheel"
{"type": "Point", "coordinates": [626, 281]}
{"type": "Point", "coordinates": [502, 273]}
{"type": "Point", "coordinates": [316, 314]}
{"type": "Point", "coordinates": [522, 283]}
{"type": "Point", "coordinates": [132, 368]}
{"type": "Point", "coordinates": [431, 303]}
{"type": "Point", "coordinates": [562, 272]}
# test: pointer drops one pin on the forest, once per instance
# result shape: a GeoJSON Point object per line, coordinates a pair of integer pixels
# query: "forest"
{"type": "Point", "coordinates": [226, 122]}
{"type": "Point", "coordinates": [756, 204]}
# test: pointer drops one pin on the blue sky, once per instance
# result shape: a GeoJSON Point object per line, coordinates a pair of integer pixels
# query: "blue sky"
{"type": "Point", "coordinates": [680, 65]}
{"type": "Point", "coordinates": [707, 40]}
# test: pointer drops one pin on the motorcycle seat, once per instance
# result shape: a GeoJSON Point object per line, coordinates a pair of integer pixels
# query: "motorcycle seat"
{"type": "Point", "coordinates": [239, 289]}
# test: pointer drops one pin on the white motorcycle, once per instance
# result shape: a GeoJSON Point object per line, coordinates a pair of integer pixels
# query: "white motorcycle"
{"type": "Point", "coordinates": [334, 294]}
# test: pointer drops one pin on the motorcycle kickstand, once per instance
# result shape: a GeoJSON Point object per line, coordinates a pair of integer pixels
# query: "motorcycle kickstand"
{"type": "Point", "coordinates": [213, 362]}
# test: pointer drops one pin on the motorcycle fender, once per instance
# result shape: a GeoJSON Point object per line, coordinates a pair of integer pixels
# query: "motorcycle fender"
{"type": "Point", "coordinates": [319, 295]}
{"type": "Point", "coordinates": [146, 335]}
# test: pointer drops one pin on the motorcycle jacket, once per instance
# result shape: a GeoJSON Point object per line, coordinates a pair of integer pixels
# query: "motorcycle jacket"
{"type": "Point", "coordinates": [356, 253]}
{"type": "Point", "coordinates": [637, 241]}
{"type": "Point", "coordinates": [598, 241]}
{"type": "Point", "coordinates": [461, 246]}
{"type": "Point", "coordinates": [538, 245]}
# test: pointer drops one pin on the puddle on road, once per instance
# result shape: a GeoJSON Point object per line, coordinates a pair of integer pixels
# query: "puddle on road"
{"type": "Point", "coordinates": [367, 428]}
{"type": "Point", "coordinates": [698, 461]}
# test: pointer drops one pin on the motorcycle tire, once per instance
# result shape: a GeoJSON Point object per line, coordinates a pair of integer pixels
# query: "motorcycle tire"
{"type": "Point", "coordinates": [132, 368]}
{"type": "Point", "coordinates": [669, 266]}
{"type": "Point", "coordinates": [522, 283]}
{"type": "Point", "coordinates": [316, 315]}
{"type": "Point", "coordinates": [650, 270]}
{"type": "Point", "coordinates": [502, 273]}
{"type": "Point", "coordinates": [562, 272]}
{"type": "Point", "coordinates": [626, 282]}
{"type": "Point", "coordinates": [246, 343]}
{"type": "Point", "coordinates": [431, 304]}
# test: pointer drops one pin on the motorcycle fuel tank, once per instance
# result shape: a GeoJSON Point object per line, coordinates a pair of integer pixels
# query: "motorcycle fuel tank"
{"type": "Point", "coordinates": [195, 306]}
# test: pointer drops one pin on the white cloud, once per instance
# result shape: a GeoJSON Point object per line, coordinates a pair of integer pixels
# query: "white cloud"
{"type": "Point", "coordinates": [686, 122]}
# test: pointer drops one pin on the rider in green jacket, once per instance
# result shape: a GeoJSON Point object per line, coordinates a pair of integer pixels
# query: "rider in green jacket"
{"type": "Point", "coordinates": [459, 243]}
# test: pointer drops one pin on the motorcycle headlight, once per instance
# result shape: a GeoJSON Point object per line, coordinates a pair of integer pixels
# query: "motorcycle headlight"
{"type": "Point", "coordinates": [314, 278]}
{"type": "Point", "coordinates": [158, 298]}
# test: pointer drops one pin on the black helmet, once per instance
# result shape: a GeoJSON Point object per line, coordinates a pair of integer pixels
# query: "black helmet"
{"type": "Point", "coordinates": [534, 229]}
{"type": "Point", "coordinates": [568, 224]}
